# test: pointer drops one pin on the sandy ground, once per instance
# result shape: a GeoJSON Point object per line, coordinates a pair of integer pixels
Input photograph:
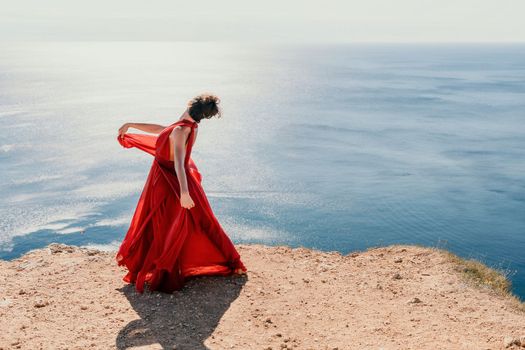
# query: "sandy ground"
{"type": "Point", "coordinates": [397, 297]}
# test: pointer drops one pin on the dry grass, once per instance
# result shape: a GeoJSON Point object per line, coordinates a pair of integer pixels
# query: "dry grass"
{"type": "Point", "coordinates": [478, 274]}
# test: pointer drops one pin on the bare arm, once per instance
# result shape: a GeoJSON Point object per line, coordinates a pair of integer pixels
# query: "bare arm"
{"type": "Point", "coordinates": [178, 138]}
{"type": "Point", "coordinates": [151, 128]}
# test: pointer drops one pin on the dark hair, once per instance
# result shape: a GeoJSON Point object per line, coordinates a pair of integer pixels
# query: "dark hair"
{"type": "Point", "coordinates": [204, 106]}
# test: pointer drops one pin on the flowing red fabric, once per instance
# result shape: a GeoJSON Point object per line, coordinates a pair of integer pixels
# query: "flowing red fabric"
{"type": "Point", "coordinates": [165, 242]}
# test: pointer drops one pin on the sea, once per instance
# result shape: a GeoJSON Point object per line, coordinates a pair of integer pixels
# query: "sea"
{"type": "Point", "coordinates": [328, 146]}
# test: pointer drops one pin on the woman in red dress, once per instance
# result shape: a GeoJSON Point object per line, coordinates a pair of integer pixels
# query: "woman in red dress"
{"type": "Point", "coordinates": [173, 233]}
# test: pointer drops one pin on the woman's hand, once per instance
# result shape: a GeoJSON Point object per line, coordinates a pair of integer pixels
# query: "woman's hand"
{"type": "Point", "coordinates": [186, 201]}
{"type": "Point", "coordinates": [123, 129]}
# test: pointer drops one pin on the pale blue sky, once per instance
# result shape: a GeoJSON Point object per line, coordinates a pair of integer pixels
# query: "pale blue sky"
{"type": "Point", "coordinates": [269, 20]}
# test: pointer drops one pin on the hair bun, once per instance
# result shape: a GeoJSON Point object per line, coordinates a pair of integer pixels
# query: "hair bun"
{"type": "Point", "coordinates": [204, 106]}
{"type": "Point", "coordinates": [211, 99]}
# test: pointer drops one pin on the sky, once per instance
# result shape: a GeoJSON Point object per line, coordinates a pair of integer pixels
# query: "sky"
{"type": "Point", "coordinates": [268, 20]}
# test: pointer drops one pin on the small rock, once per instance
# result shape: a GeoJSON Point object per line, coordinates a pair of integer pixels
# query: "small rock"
{"type": "Point", "coordinates": [398, 260]}
{"type": "Point", "coordinates": [415, 300]}
{"type": "Point", "coordinates": [41, 303]}
{"type": "Point", "coordinates": [397, 276]}
{"type": "Point", "coordinates": [92, 252]}
{"type": "Point", "coordinates": [509, 341]}
{"type": "Point", "coordinates": [58, 248]}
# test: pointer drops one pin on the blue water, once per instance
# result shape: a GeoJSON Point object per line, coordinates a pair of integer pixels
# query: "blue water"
{"type": "Point", "coordinates": [336, 147]}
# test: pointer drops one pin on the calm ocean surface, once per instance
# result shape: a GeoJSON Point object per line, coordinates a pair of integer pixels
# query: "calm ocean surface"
{"type": "Point", "coordinates": [330, 147]}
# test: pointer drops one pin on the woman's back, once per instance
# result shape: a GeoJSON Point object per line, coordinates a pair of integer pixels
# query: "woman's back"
{"type": "Point", "coordinates": [164, 146]}
{"type": "Point", "coordinates": [190, 137]}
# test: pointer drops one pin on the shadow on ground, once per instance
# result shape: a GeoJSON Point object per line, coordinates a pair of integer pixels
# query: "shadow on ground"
{"type": "Point", "coordinates": [182, 320]}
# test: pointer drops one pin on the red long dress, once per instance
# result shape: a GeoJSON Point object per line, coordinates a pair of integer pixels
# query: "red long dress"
{"type": "Point", "coordinates": [165, 242]}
